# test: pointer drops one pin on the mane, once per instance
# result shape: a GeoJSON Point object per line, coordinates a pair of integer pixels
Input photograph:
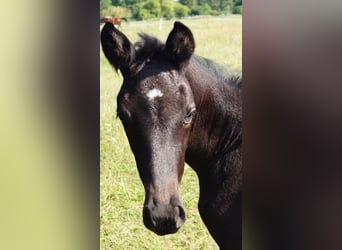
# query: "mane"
{"type": "Point", "coordinates": [149, 47]}
{"type": "Point", "coordinates": [233, 78]}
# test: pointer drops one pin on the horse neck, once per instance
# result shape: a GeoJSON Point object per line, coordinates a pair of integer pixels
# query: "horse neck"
{"type": "Point", "coordinates": [217, 127]}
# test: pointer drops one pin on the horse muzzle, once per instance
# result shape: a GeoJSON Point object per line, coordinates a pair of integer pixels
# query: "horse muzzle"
{"type": "Point", "coordinates": [163, 218]}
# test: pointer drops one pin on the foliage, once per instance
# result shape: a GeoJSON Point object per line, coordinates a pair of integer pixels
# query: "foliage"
{"type": "Point", "coordinates": [167, 9]}
{"type": "Point", "coordinates": [235, 6]}
{"type": "Point", "coordinates": [237, 9]}
{"type": "Point", "coordinates": [204, 9]}
{"type": "Point", "coordinates": [124, 3]}
{"type": "Point", "coordinates": [181, 10]}
{"type": "Point", "coordinates": [190, 3]}
{"type": "Point", "coordinates": [104, 4]}
{"type": "Point", "coordinates": [147, 9]}
{"type": "Point", "coordinates": [116, 12]}
{"type": "Point", "coordinates": [154, 7]}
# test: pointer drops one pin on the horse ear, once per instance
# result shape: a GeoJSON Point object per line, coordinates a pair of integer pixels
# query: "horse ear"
{"type": "Point", "coordinates": [180, 44]}
{"type": "Point", "coordinates": [117, 48]}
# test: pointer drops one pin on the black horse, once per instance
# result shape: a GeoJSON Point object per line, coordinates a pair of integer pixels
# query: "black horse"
{"type": "Point", "coordinates": [175, 108]}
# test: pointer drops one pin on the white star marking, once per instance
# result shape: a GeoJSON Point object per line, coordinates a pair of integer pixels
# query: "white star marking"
{"type": "Point", "coordinates": [153, 93]}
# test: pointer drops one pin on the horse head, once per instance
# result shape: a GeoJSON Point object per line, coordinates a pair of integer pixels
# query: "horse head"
{"type": "Point", "coordinates": [156, 106]}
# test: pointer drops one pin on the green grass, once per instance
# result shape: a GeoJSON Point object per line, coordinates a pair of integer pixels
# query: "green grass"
{"type": "Point", "coordinates": [122, 193]}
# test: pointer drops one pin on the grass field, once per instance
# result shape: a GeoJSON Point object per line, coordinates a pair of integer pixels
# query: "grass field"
{"type": "Point", "coordinates": [122, 195]}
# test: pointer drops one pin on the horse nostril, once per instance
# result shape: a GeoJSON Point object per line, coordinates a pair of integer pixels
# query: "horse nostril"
{"type": "Point", "coordinates": [147, 218]}
{"type": "Point", "coordinates": [180, 216]}
{"type": "Point", "coordinates": [181, 212]}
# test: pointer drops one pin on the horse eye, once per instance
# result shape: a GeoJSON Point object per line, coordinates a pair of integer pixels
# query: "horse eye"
{"type": "Point", "coordinates": [188, 117]}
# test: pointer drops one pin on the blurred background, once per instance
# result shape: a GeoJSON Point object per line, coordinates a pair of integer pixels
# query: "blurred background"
{"type": "Point", "coordinates": [49, 127]}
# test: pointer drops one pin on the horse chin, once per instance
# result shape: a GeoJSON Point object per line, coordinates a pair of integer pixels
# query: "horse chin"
{"type": "Point", "coordinates": [165, 231]}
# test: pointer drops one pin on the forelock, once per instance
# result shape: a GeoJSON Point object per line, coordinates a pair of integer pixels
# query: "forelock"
{"type": "Point", "coordinates": [148, 47]}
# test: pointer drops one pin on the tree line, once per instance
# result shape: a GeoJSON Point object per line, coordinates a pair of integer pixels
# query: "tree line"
{"type": "Point", "coordinates": [147, 9]}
